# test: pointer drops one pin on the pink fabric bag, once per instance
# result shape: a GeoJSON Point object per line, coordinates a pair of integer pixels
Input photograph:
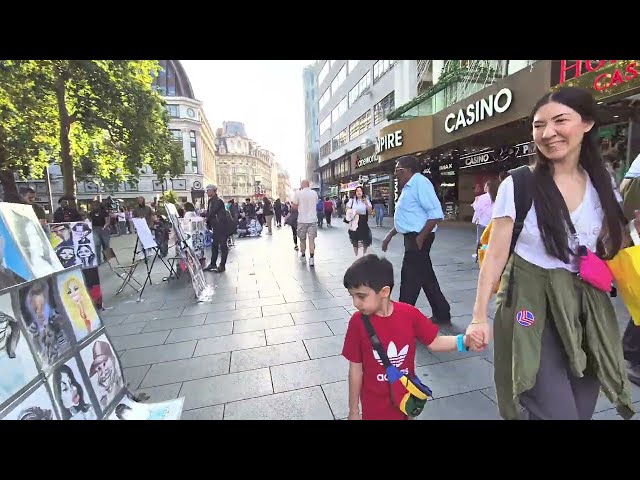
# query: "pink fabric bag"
{"type": "Point", "coordinates": [594, 270]}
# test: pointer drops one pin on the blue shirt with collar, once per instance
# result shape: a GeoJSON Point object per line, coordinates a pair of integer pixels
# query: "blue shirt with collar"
{"type": "Point", "coordinates": [418, 203]}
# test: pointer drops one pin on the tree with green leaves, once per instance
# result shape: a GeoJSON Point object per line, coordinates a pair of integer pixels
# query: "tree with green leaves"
{"type": "Point", "coordinates": [109, 120]}
{"type": "Point", "coordinates": [28, 120]}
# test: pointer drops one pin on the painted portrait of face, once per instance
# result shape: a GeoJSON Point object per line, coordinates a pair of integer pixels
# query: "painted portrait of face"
{"type": "Point", "coordinates": [104, 370]}
{"type": "Point", "coordinates": [71, 394]}
{"type": "Point", "coordinates": [77, 303]}
{"type": "Point", "coordinates": [17, 365]}
{"type": "Point", "coordinates": [66, 255]}
{"type": "Point", "coordinates": [44, 325]}
{"type": "Point", "coordinates": [86, 256]}
{"type": "Point", "coordinates": [60, 234]}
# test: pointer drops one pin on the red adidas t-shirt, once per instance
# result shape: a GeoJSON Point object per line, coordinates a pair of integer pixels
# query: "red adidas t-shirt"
{"type": "Point", "coordinates": [398, 333]}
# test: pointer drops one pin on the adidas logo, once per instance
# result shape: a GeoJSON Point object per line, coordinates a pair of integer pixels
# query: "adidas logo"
{"type": "Point", "coordinates": [396, 358]}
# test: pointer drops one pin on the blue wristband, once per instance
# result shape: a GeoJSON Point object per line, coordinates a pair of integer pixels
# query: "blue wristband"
{"type": "Point", "coordinates": [461, 347]}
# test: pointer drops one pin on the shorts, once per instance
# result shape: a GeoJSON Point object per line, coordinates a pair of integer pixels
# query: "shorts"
{"type": "Point", "coordinates": [307, 230]}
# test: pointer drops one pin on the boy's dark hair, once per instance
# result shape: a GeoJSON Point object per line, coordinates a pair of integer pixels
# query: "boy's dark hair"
{"type": "Point", "coordinates": [369, 271]}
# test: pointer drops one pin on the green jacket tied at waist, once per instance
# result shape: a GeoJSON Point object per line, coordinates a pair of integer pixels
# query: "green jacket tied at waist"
{"type": "Point", "coordinates": [586, 323]}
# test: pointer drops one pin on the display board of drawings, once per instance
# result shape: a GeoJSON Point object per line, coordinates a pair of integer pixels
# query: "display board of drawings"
{"type": "Point", "coordinates": [189, 238]}
{"type": "Point", "coordinates": [73, 244]}
{"type": "Point", "coordinates": [56, 359]}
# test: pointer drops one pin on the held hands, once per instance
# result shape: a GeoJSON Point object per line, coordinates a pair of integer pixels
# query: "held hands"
{"type": "Point", "coordinates": [355, 415]}
{"type": "Point", "coordinates": [478, 335]}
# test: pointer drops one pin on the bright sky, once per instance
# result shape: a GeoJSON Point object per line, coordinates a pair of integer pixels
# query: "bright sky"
{"type": "Point", "coordinates": [266, 95]}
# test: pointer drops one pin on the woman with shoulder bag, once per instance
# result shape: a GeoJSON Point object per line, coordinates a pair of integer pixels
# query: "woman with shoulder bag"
{"type": "Point", "coordinates": [358, 211]}
{"type": "Point", "coordinates": [557, 341]}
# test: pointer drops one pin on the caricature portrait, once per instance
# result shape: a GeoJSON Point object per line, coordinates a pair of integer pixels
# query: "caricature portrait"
{"type": "Point", "coordinates": [104, 370]}
{"type": "Point", "coordinates": [13, 267]}
{"type": "Point", "coordinates": [31, 239]}
{"type": "Point", "coordinates": [17, 366]}
{"type": "Point", "coordinates": [71, 394]}
{"type": "Point", "coordinates": [44, 325]}
{"type": "Point", "coordinates": [82, 233]}
{"type": "Point", "coordinates": [86, 256]}
{"type": "Point", "coordinates": [36, 406]}
{"type": "Point", "coordinates": [77, 303]}
{"type": "Point", "coordinates": [66, 255]}
{"type": "Point", "coordinates": [61, 234]}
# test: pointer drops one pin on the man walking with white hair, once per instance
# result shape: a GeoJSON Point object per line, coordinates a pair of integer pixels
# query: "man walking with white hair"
{"type": "Point", "coordinates": [304, 201]}
{"type": "Point", "coordinates": [217, 221]}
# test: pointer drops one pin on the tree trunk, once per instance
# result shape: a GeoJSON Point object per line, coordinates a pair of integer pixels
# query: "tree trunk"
{"type": "Point", "coordinates": [66, 162]}
{"type": "Point", "coordinates": [9, 187]}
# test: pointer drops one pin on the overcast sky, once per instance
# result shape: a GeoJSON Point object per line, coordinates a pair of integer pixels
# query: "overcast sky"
{"type": "Point", "coordinates": [266, 95]}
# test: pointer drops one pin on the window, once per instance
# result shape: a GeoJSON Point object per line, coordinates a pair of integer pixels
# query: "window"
{"type": "Point", "coordinates": [177, 135]}
{"type": "Point", "coordinates": [178, 184]}
{"type": "Point", "coordinates": [174, 111]}
{"type": "Point", "coordinates": [339, 140]}
{"type": "Point", "coordinates": [130, 185]}
{"type": "Point", "coordinates": [340, 78]}
{"type": "Point", "coordinates": [361, 87]}
{"type": "Point", "coordinates": [383, 107]}
{"type": "Point", "coordinates": [165, 82]}
{"type": "Point", "coordinates": [194, 151]}
{"type": "Point", "coordinates": [323, 73]}
{"type": "Point", "coordinates": [325, 149]}
{"type": "Point", "coordinates": [360, 125]}
{"type": "Point", "coordinates": [325, 124]}
{"type": "Point", "coordinates": [158, 185]}
{"type": "Point", "coordinates": [339, 110]}
{"type": "Point", "coordinates": [351, 64]}
{"type": "Point", "coordinates": [324, 99]}
{"type": "Point", "coordinates": [381, 67]}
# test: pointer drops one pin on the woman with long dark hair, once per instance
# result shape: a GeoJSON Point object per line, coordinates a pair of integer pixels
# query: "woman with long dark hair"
{"type": "Point", "coordinates": [359, 231]}
{"type": "Point", "coordinates": [557, 341]}
{"type": "Point", "coordinates": [70, 395]}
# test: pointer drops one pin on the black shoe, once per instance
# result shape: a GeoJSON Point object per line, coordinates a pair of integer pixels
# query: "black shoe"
{"type": "Point", "coordinates": [219, 269]}
{"type": "Point", "coordinates": [210, 268]}
{"type": "Point", "coordinates": [444, 323]}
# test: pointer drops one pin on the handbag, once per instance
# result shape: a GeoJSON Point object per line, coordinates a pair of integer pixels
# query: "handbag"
{"type": "Point", "coordinates": [593, 269]}
{"type": "Point", "coordinates": [409, 394]}
{"type": "Point", "coordinates": [625, 267]}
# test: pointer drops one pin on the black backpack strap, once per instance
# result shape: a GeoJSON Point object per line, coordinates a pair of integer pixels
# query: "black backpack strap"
{"type": "Point", "coordinates": [375, 341]}
{"type": "Point", "coordinates": [523, 200]}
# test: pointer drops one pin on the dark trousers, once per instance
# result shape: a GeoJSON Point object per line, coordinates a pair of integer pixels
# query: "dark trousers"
{"type": "Point", "coordinates": [631, 344]}
{"type": "Point", "coordinates": [417, 273]}
{"type": "Point", "coordinates": [557, 394]}
{"type": "Point", "coordinates": [224, 251]}
{"type": "Point", "coordinates": [294, 231]}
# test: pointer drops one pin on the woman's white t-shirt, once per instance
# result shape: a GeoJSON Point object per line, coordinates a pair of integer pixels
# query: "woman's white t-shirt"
{"type": "Point", "coordinates": [359, 206]}
{"type": "Point", "coordinates": [587, 219]}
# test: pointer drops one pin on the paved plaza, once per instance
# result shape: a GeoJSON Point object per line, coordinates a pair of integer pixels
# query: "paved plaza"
{"type": "Point", "coordinates": [268, 346]}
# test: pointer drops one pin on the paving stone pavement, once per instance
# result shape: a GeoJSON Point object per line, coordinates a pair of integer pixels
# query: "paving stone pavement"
{"type": "Point", "coordinates": [268, 345]}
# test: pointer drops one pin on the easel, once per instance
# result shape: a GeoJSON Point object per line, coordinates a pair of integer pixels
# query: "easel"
{"type": "Point", "coordinates": [149, 268]}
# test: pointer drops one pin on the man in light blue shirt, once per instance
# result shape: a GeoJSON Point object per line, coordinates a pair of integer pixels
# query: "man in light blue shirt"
{"type": "Point", "coordinates": [416, 217]}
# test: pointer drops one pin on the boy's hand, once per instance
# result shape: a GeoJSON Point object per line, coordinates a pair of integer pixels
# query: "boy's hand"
{"type": "Point", "coordinates": [475, 342]}
{"type": "Point", "coordinates": [355, 415]}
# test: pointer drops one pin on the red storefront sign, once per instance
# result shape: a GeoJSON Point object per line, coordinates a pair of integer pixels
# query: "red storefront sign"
{"type": "Point", "coordinates": [605, 77]}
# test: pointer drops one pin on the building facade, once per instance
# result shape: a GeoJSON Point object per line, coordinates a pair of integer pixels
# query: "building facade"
{"type": "Point", "coordinates": [189, 126]}
{"type": "Point", "coordinates": [469, 121]}
{"type": "Point", "coordinates": [284, 185]}
{"type": "Point", "coordinates": [244, 169]}
{"type": "Point", "coordinates": [355, 97]}
{"type": "Point", "coordinates": [311, 136]}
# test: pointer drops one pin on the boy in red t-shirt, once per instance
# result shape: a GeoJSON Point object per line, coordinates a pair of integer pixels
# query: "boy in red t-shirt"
{"type": "Point", "coordinates": [397, 325]}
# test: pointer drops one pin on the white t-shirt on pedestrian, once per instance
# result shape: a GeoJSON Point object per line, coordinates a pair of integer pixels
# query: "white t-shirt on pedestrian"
{"type": "Point", "coordinates": [634, 170]}
{"type": "Point", "coordinates": [306, 199]}
{"type": "Point", "coordinates": [587, 219]}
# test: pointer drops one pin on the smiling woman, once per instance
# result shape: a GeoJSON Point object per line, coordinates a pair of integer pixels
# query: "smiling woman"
{"type": "Point", "coordinates": [557, 337]}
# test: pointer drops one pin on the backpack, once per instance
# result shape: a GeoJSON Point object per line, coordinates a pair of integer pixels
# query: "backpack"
{"type": "Point", "coordinates": [522, 198]}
